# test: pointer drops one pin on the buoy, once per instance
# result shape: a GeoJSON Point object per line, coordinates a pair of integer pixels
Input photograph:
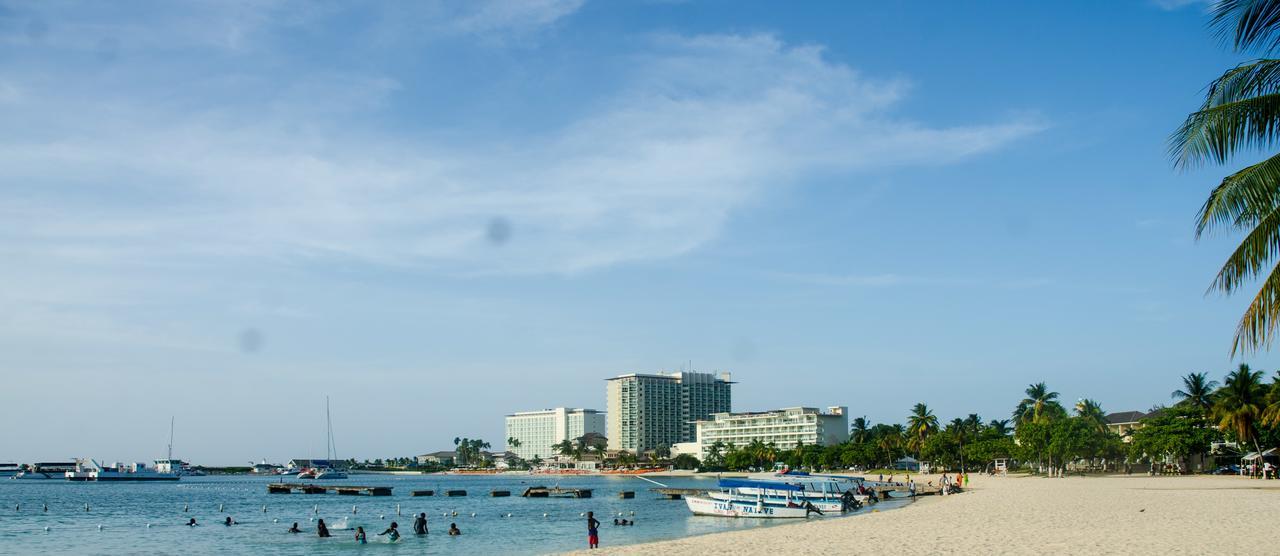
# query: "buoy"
{"type": "Point", "coordinates": [508, 515]}
{"type": "Point", "coordinates": [46, 507]}
{"type": "Point", "coordinates": [148, 526]}
{"type": "Point", "coordinates": [633, 512]}
{"type": "Point", "coordinates": [311, 518]}
{"type": "Point", "coordinates": [46, 528]}
{"type": "Point", "coordinates": [264, 509]}
{"type": "Point", "coordinates": [544, 514]}
{"type": "Point", "coordinates": [455, 513]}
{"type": "Point", "coordinates": [86, 507]}
{"type": "Point", "coordinates": [353, 510]}
{"type": "Point", "coordinates": [473, 514]}
{"type": "Point", "coordinates": [582, 514]}
{"type": "Point", "coordinates": [446, 514]}
{"type": "Point", "coordinates": [276, 520]}
{"type": "Point", "coordinates": [186, 507]}
{"type": "Point", "coordinates": [99, 526]}
{"type": "Point", "coordinates": [619, 514]}
{"type": "Point", "coordinates": [380, 516]}
{"type": "Point", "coordinates": [316, 509]}
{"type": "Point", "coordinates": [397, 509]}
{"type": "Point", "coordinates": [17, 507]}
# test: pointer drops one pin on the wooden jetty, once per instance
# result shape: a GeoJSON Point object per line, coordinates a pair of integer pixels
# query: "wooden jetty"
{"type": "Point", "coordinates": [500, 493]}
{"type": "Point", "coordinates": [422, 493]}
{"type": "Point", "coordinates": [455, 493]}
{"type": "Point", "coordinates": [678, 493]}
{"type": "Point", "coordinates": [557, 492]}
{"type": "Point", "coordinates": [310, 488]}
{"type": "Point", "coordinates": [627, 494]}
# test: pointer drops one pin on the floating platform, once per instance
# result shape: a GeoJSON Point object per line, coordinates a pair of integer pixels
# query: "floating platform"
{"type": "Point", "coordinates": [309, 488]}
{"type": "Point", "coordinates": [455, 493]}
{"type": "Point", "coordinates": [500, 493]}
{"type": "Point", "coordinates": [557, 492]}
{"type": "Point", "coordinates": [627, 494]}
{"type": "Point", "coordinates": [422, 493]}
{"type": "Point", "coordinates": [678, 493]}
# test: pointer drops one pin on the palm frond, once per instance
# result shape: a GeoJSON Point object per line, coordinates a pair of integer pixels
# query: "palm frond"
{"type": "Point", "coordinates": [1247, 24]}
{"type": "Point", "coordinates": [1258, 324]}
{"type": "Point", "coordinates": [1242, 199]}
{"type": "Point", "coordinates": [1217, 132]}
{"type": "Point", "coordinates": [1252, 257]}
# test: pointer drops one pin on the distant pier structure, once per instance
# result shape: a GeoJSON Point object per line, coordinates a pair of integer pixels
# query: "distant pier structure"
{"type": "Point", "coordinates": [311, 488]}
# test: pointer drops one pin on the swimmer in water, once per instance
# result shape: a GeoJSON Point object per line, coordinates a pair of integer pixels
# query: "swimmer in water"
{"type": "Point", "coordinates": [321, 530]}
{"type": "Point", "coordinates": [192, 523]}
{"type": "Point", "coordinates": [393, 531]}
{"type": "Point", "coordinates": [295, 528]}
{"type": "Point", "coordinates": [229, 522]}
{"type": "Point", "coordinates": [360, 535]}
{"type": "Point", "coordinates": [420, 524]}
{"type": "Point", "coordinates": [453, 530]}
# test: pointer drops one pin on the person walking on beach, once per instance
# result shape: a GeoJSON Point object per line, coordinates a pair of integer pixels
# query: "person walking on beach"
{"type": "Point", "coordinates": [420, 524]}
{"type": "Point", "coordinates": [593, 531]}
{"type": "Point", "coordinates": [321, 530]}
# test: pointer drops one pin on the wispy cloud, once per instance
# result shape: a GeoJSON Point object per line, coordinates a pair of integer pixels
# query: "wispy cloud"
{"type": "Point", "coordinates": [1179, 4]}
{"type": "Point", "coordinates": [702, 126]}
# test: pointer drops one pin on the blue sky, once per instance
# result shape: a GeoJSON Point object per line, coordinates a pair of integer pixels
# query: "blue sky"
{"type": "Point", "coordinates": [438, 213]}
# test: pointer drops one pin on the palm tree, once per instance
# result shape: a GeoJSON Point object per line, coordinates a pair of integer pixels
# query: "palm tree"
{"type": "Point", "coordinates": [513, 442]}
{"type": "Point", "coordinates": [1239, 113]}
{"type": "Point", "coordinates": [858, 430]}
{"type": "Point", "coordinates": [891, 442]}
{"type": "Point", "coordinates": [920, 425]}
{"type": "Point", "coordinates": [1271, 415]}
{"type": "Point", "coordinates": [1039, 406]}
{"type": "Point", "coordinates": [1001, 426]}
{"type": "Point", "coordinates": [1239, 408]}
{"type": "Point", "coordinates": [973, 423]}
{"type": "Point", "coordinates": [1091, 411]}
{"type": "Point", "coordinates": [563, 447]}
{"type": "Point", "coordinates": [1197, 391]}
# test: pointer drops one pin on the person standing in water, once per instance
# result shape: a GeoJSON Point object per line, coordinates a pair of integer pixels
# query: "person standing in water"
{"type": "Point", "coordinates": [192, 523]}
{"type": "Point", "coordinates": [420, 524]}
{"type": "Point", "coordinates": [392, 531]}
{"type": "Point", "coordinates": [593, 531]}
{"type": "Point", "coordinates": [360, 537]}
{"type": "Point", "coordinates": [295, 528]}
{"type": "Point", "coordinates": [321, 530]}
{"type": "Point", "coordinates": [453, 530]}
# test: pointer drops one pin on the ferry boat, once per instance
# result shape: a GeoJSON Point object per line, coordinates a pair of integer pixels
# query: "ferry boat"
{"type": "Point", "coordinates": [9, 469]}
{"type": "Point", "coordinates": [772, 501]}
{"type": "Point", "coordinates": [45, 470]}
{"type": "Point", "coordinates": [91, 470]}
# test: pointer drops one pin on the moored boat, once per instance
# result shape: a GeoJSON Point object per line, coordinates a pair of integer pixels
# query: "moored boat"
{"type": "Point", "coordinates": [91, 470]}
{"type": "Point", "coordinates": [769, 499]}
{"type": "Point", "coordinates": [46, 470]}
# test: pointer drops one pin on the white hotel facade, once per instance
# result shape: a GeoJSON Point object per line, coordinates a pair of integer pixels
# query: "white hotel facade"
{"type": "Point", "coordinates": [538, 431]}
{"type": "Point", "coordinates": [785, 428]}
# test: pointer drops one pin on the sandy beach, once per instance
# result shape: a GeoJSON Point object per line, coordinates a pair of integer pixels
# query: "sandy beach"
{"type": "Point", "coordinates": [1031, 515]}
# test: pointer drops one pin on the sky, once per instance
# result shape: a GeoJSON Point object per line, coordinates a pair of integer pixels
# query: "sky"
{"type": "Point", "coordinates": [438, 213]}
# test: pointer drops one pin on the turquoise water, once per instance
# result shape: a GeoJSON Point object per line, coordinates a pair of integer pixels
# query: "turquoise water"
{"type": "Point", "coordinates": [125, 509]}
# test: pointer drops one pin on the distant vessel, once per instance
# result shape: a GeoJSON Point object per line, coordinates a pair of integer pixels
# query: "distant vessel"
{"type": "Point", "coordinates": [9, 469]}
{"type": "Point", "coordinates": [321, 470]}
{"type": "Point", "coordinates": [264, 468]}
{"type": "Point", "coordinates": [176, 466]}
{"type": "Point", "coordinates": [45, 470]}
{"type": "Point", "coordinates": [91, 470]}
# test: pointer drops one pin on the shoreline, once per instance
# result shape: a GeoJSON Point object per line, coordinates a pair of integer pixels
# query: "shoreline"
{"type": "Point", "coordinates": [1022, 514]}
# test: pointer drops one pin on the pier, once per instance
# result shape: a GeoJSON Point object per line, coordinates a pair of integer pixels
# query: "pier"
{"type": "Point", "coordinates": [310, 488]}
{"type": "Point", "coordinates": [678, 493]}
{"type": "Point", "coordinates": [557, 492]}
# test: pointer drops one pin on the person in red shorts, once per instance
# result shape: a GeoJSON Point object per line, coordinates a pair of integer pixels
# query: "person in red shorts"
{"type": "Point", "coordinates": [593, 531]}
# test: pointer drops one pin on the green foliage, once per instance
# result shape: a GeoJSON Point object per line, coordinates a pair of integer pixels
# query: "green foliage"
{"type": "Point", "coordinates": [685, 461]}
{"type": "Point", "coordinates": [1179, 432]}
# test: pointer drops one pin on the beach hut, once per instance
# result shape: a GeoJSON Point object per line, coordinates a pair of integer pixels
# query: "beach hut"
{"type": "Point", "coordinates": [907, 463]}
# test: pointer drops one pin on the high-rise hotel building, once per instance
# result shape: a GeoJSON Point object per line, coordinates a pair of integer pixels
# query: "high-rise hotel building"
{"type": "Point", "coordinates": [651, 410]}
{"type": "Point", "coordinates": [538, 431]}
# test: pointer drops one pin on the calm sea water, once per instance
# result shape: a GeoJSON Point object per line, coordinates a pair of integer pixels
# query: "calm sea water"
{"type": "Point", "coordinates": [125, 509]}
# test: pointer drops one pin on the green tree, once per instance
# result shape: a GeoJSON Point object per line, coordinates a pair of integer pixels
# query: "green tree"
{"type": "Point", "coordinates": [1091, 413]}
{"type": "Point", "coordinates": [1178, 432]}
{"type": "Point", "coordinates": [920, 425]}
{"type": "Point", "coordinates": [1196, 391]}
{"type": "Point", "coordinates": [858, 430]}
{"type": "Point", "coordinates": [1240, 404]}
{"type": "Point", "coordinates": [1040, 405]}
{"type": "Point", "coordinates": [999, 427]}
{"type": "Point", "coordinates": [1240, 112]}
{"type": "Point", "coordinates": [685, 461]}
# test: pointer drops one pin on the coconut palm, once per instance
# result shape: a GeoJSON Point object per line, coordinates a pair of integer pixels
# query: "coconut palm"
{"type": "Point", "coordinates": [1241, 112]}
{"type": "Point", "coordinates": [1091, 412]}
{"type": "Point", "coordinates": [1240, 406]}
{"type": "Point", "coordinates": [1000, 426]}
{"type": "Point", "coordinates": [1039, 406]}
{"type": "Point", "coordinates": [513, 442]}
{"type": "Point", "coordinates": [1271, 414]}
{"type": "Point", "coordinates": [974, 424]}
{"type": "Point", "coordinates": [1197, 391]}
{"type": "Point", "coordinates": [920, 425]}
{"type": "Point", "coordinates": [858, 430]}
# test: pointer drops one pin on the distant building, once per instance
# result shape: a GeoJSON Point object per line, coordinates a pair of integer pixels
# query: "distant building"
{"type": "Point", "coordinates": [538, 431]}
{"type": "Point", "coordinates": [785, 428]}
{"type": "Point", "coordinates": [1123, 423]}
{"type": "Point", "coordinates": [438, 458]}
{"type": "Point", "coordinates": [651, 410]}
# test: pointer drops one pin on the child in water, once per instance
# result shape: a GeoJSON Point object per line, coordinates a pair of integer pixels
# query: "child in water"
{"type": "Point", "coordinates": [360, 535]}
{"type": "Point", "coordinates": [192, 523]}
{"type": "Point", "coordinates": [453, 530]}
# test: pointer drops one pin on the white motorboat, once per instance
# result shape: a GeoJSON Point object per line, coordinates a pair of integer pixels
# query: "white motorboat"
{"type": "Point", "coordinates": [91, 470]}
{"type": "Point", "coordinates": [771, 499]}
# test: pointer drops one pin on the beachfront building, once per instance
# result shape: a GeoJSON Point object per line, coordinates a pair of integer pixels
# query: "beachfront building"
{"type": "Point", "coordinates": [648, 411]}
{"type": "Point", "coordinates": [1123, 423]}
{"type": "Point", "coordinates": [538, 431]}
{"type": "Point", "coordinates": [784, 428]}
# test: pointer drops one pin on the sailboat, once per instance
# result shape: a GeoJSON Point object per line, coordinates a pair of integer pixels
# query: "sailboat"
{"type": "Point", "coordinates": [321, 470]}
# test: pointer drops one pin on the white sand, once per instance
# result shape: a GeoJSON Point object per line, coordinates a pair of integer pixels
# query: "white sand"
{"type": "Point", "coordinates": [1032, 515]}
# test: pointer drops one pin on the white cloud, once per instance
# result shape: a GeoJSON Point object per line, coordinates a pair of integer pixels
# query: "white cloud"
{"type": "Point", "coordinates": [1179, 4]}
{"type": "Point", "coordinates": [706, 125]}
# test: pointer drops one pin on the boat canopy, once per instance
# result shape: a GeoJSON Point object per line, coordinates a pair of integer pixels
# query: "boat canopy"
{"type": "Point", "coordinates": [770, 485]}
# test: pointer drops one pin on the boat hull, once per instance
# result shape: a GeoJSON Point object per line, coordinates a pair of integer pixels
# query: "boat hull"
{"type": "Point", "coordinates": [701, 505]}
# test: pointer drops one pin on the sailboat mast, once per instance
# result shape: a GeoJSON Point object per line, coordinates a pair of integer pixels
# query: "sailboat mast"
{"type": "Point", "coordinates": [171, 438]}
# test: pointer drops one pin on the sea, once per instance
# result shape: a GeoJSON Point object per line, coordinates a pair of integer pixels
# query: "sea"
{"type": "Point", "coordinates": [56, 517]}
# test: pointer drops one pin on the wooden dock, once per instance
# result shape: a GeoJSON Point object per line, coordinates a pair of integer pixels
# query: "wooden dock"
{"type": "Point", "coordinates": [678, 493]}
{"type": "Point", "coordinates": [422, 493]}
{"type": "Point", "coordinates": [311, 488]}
{"type": "Point", "coordinates": [556, 492]}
